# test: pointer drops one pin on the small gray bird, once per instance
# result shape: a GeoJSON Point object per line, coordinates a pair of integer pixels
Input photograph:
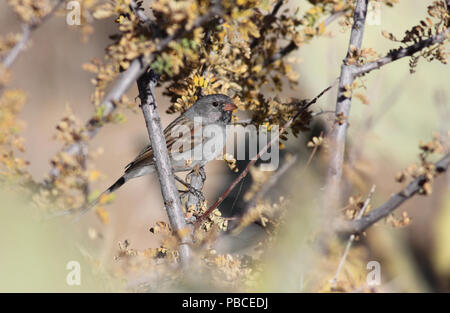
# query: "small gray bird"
{"type": "Point", "coordinates": [193, 139]}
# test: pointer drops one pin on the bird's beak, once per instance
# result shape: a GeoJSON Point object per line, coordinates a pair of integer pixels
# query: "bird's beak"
{"type": "Point", "coordinates": [229, 107]}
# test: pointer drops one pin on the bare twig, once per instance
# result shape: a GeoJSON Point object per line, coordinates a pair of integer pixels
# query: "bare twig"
{"type": "Point", "coordinates": [146, 84]}
{"type": "Point", "coordinates": [244, 173]}
{"type": "Point", "coordinates": [352, 237]}
{"type": "Point", "coordinates": [339, 133]}
{"type": "Point", "coordinates": [12, 55]}
{"type": "Point", "coordinates": [358, 226]}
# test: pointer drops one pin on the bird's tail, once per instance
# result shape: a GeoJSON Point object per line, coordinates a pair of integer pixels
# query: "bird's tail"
{"type": "Point", "coordinates": [84, 210]}
{"type": "Point", "coordinates": [111, 189]}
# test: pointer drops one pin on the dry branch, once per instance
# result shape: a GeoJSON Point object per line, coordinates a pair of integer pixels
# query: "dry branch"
{"type": "Point", "coordinates": [146, 84]}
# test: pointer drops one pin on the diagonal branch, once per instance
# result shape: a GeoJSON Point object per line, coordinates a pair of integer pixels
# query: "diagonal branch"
{"type": "Point", "coordinates": [339, 133]}
{"type": "Point", "coordinates": [358, 226]}
{"type": "Point", "coordinates": [146, 85]}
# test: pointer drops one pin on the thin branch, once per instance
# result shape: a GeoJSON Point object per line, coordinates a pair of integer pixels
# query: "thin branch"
{"type": "Point", "coordinates": [146, 84]}
{"type": "Point", "coordinates": [12, 55]}
{"type": "Point", "coordinates": [352, 237]}
{"type": "Point", "coordinates": [339, 133]}
{"type": "Point", "coordinates": [358, 226]}
{"type": "Point", "coordinates": [261, 152]}
{"type": "Point", "coordinates": [399, 53]}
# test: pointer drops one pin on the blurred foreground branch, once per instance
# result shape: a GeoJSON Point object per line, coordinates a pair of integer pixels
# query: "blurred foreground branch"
{"type": "Point", "coordinates": [146, 84]}
{"type": "Point", "coordinates": [27, 29]}
{"type": "Point", "coordinates": [359, 225]}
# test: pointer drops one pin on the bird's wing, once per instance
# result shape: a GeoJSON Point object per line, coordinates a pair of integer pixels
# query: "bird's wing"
{"type": "Point", "coordinates": [145, 157]}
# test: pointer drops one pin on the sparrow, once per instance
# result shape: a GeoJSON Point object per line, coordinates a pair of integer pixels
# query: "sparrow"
{"type": "Point", "coordinates": [193, 139]}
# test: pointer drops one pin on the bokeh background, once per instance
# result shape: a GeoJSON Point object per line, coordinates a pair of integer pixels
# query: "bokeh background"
{"type": "Point", "coordinates": [383, 140]}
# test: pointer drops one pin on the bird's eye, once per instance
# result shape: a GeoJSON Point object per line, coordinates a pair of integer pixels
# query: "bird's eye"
{"type": "Point", "coordinates": [215, 103]}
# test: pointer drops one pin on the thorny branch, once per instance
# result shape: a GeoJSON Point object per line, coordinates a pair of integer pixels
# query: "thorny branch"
{"type": "Point", "coordinates": [146, 85]}
{"type": "Point", "coordinates": [358, 226]}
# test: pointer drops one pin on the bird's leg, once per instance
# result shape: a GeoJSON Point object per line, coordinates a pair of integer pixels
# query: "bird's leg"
{"type": "Point", "coordinates": [191, 189]}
